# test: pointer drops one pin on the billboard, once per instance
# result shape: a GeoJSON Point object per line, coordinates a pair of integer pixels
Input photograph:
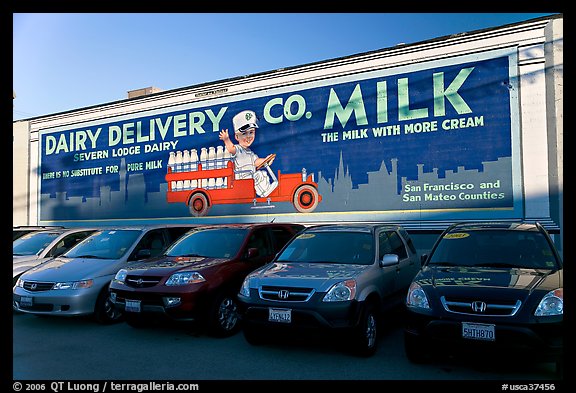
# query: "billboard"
{"type": "Point", "coordinates": [436, 140]}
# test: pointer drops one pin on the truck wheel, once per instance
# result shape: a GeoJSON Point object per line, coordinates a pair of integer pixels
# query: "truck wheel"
{"type": "Point", "coordinates": [305, 198]}
{"type": "Point", "coordinates": [198, 205]}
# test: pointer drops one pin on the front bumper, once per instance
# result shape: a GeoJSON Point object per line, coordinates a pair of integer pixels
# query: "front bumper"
{"type": "Point", "coordinates": [189, 306]}
{"type": "Point", "coordinates": [544, 339]}
{"type": "Point", "coordinates": [312, 314]}
{"type": "Point", "coordinates": [69, 302]}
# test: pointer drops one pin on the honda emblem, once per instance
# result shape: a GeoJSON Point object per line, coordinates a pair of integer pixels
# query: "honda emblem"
{"type": "Point", "coordinates": [478, 306]}
{"type": "Point", "coordinates": [283, 294]}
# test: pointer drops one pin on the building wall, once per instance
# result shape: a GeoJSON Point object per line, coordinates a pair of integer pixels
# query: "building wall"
{"type": "Point", "coordinates": [20, 173]}
{"type": "Point", "coordinates": [539, 68]}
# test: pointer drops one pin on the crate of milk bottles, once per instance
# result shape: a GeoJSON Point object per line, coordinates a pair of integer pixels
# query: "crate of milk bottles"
{"type": "Point", "coordinates": [210, 168]}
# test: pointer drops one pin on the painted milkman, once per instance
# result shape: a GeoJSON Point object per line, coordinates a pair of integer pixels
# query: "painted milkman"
{"type": "Point", "coordinates": [247, 164]}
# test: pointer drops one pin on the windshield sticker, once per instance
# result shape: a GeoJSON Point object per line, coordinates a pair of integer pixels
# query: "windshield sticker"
{"type": "Point", "coordinates": [306, 236]}
{"type": "Point", "coordinates": [459, 235]}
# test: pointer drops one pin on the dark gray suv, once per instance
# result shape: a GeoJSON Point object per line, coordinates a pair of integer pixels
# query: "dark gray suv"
{"type": "Point", "coordinates": [492, 289]}
{"type": "Point", "coordinates": [338, 277]}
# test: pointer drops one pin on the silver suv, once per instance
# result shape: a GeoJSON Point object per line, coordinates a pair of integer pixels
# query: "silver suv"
{"type": "Point", "coordinates": [338, 277]}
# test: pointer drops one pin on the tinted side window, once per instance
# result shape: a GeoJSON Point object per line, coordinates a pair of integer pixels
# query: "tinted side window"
{"type": "Point", "coordinates": [259, 239]}
{"type": "Point", "coordinates": [384, 245]}
{"type": "Point", "coordinates": [176, 232]}
{"type": "Point", "coordinates": [280, 237]}
{"type": "Point", "coordinates": [397, 245]}
{"type": "Point", "coordinates": [153, 241]}
{"type": "Point", "coordinates": [408, 239]}
{"type": "Point", "coordinates": [68, 242]}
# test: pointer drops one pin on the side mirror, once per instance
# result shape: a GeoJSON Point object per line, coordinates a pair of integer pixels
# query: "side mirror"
{"type": "Point", "coordinates": [389, 260]}
{"type": "Point", "coordinates": [252, 253]}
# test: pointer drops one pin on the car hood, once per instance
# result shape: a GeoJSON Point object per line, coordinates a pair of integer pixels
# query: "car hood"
{"type": "Point", "coordinates": [16, 258]}
{"type": "Point", "coordinates": [20, 265]}
{"type": "Point", "coordinates": [320, 276]}
{"type": "Point", "coordinates": [166, 265]}
{"type": "Point", "coordinates": [69, 269]}
{"type": "Point", "coordinates": [450, 278]}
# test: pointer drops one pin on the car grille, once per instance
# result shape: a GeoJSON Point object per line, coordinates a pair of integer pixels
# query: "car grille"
{"type": "Point", "coordinates": [481, 307]}
{"type": "Point", "coordinates": [142, 281]}
{"type": "Point", "coordinates": [35, 286]}
{"type": "Point", "coordinates": [285, 294]}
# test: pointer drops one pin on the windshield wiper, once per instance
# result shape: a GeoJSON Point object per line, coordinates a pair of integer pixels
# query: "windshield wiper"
{"type": "Point", "coordinates": [88, 256]}
{"type": "Point", "coordinates": [189, 255]}
{"type": "Point", "coordinates": [496, 264]}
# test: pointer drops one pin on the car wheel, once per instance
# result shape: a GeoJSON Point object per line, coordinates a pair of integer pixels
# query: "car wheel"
{"type": "Point", "coordinates": [225, 318]}
{"type": "Point", "coordinates": [105, 312]}
{"type": "Point", "coordinates": [414, 349]}
{"type": "Point", "coordinates": [366, 334]}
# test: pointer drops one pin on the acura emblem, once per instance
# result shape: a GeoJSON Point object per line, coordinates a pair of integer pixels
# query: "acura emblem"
{"type": "Point", "coordinates": [283, 294]}
{"type": "Point", "coordinates": [33, 286]}
{"type": "Point", "coordinates": [478, 306]}
{"type": "Point", "coordinates": [139, 281]}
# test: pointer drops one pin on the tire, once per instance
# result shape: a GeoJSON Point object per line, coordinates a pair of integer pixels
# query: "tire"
{"type": "Point", "coordinates": [198, 204]}
{"type": "Point", "coordinates": [365, 336]}
{"type": "Point", "coordinates": [414, 349]}
{"type": "Point", "coordinates": [305, 198]}
{"type": "Point", "coordinates": [224, 316]}
{"type": "Point", "coordinates": [105, 312]}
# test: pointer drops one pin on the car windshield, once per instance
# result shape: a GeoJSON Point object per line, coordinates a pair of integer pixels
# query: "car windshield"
{"type": "Point", "coordinates": [33, 243]}
{"type": "Point", "coordinates": [330, 247]}
{"type": "Point", "coordinates": [495, 248]}
{"type": "Point", "coordinates": [109, 244]}
{"type": "Point", "coordinates": [213, 243]}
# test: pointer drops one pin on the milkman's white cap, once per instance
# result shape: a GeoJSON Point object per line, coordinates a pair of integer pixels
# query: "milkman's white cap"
{"type": "Point", "coordinates": [244, 121]}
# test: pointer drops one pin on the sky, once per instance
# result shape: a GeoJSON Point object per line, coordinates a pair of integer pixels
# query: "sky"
{"type": "Point", "coordinates": [67, 61]}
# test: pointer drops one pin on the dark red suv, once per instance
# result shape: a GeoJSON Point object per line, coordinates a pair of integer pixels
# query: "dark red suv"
{"type": "Point", "coordinates": [199, 276]}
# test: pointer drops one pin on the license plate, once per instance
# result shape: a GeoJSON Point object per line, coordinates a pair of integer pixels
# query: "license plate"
{"type": "Point", "coordinates": [280, 315]}
{"type": "Point", "coordinates": [478, 331]}
{"type": "Point", "coordinates": [133, 305]}
{"type": "Point", "coordinates": [25, 301]}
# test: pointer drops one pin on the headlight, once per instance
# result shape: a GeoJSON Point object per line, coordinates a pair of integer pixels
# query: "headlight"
{"type": "Point", "coordinates": [245, 288]}
{"type": "Point", "coordinates": [74, 284]}
{"type": "Point", "coordinates": [342, 291]}
{"type": "Point", "coordinates": [184, 278]}
{"type": "Point", "coordinates": [20, 283]}
{"type": "Point", "coordinates": [121, 275]}
{"type": "Point", "coordinates": [416, 297]}
{"type": "Point", "coordinates": [551, 304]}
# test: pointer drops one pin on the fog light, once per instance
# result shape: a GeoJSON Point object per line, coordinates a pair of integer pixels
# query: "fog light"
{"type": "Point", "coordinates": [171, 301]}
